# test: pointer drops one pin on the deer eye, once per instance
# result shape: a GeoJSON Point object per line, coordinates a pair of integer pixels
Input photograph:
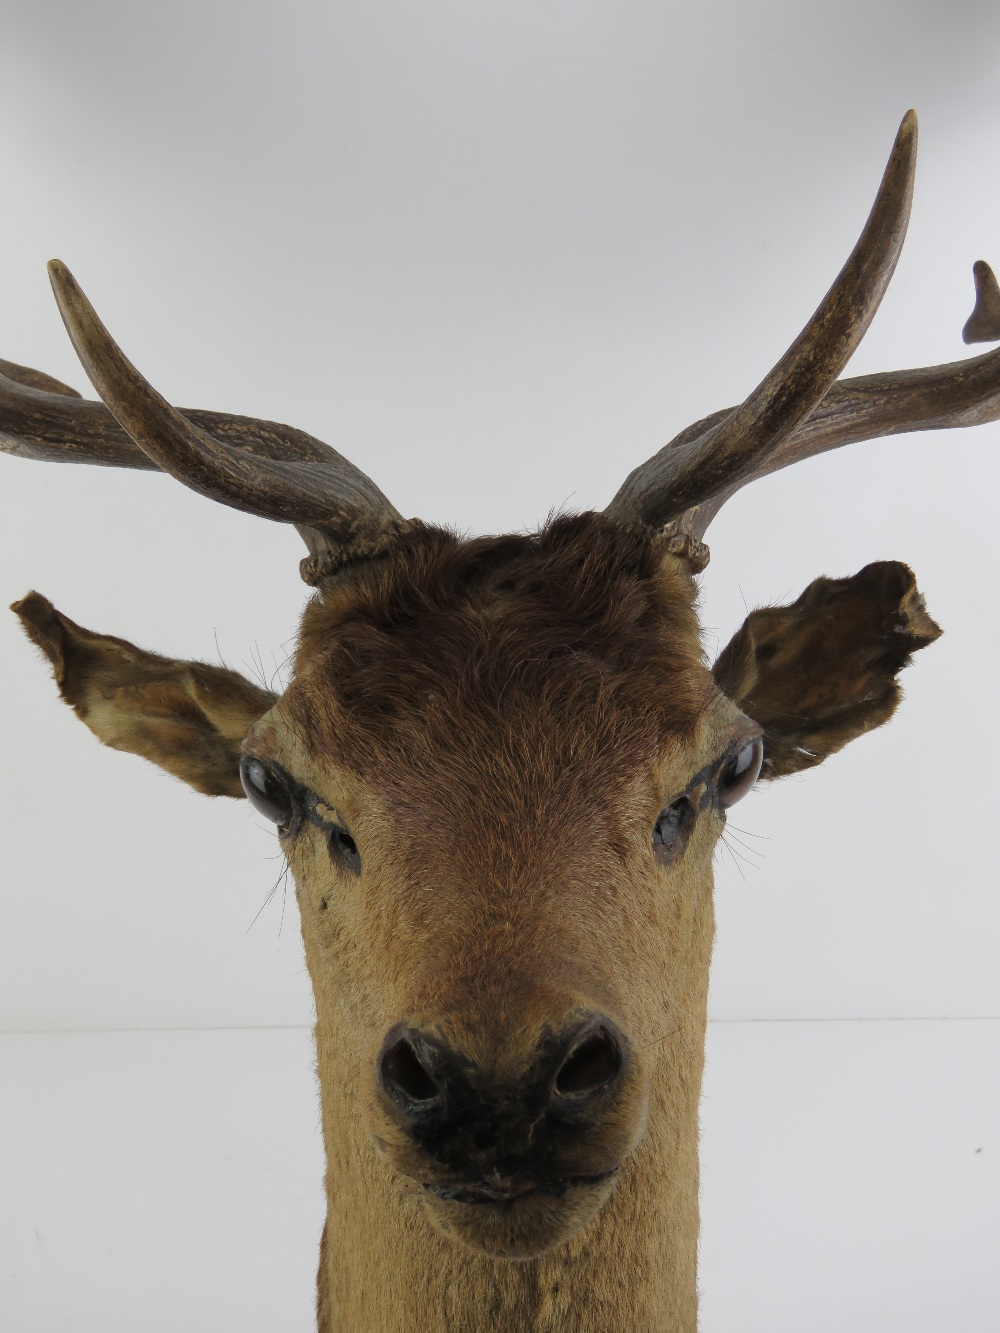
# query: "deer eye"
{"type": "Point", "coordinates": [740, 772]}
{"type": "Point", "coordinates": [670, 832]}
{"type": "Point", "coordinates": [266, 792]}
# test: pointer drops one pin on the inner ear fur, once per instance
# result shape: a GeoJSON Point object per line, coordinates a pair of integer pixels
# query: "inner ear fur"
{"type": "Point", "coordinates": [822, 671]}
{"type": "Point", "coordinates": [187, 717]}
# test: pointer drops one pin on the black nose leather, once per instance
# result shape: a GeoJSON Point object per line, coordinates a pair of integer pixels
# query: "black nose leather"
{"type": "Point", "coordinates": [432, 1083]}
{"type": "Point", "coordinates": [405, 1075]}
{"type": "Point", "coordinates": [593, 1060]}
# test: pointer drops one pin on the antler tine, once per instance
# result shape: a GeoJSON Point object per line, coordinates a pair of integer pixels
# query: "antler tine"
{"type": "Point", "coordinates": [727, 450]}
{"type": "Point", "coordinates": [961, 393]}
{"type": "Point", "coordinates": [983, 325]}
{"type": "Point", "coordinates": [261, 468]}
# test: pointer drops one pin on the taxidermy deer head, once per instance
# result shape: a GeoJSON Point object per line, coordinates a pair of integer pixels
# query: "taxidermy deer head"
{"type": "Point", "coordinates": [498, 775]}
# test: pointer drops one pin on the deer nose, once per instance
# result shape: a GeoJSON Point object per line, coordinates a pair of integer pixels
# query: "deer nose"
{"type": "Point", "coordinates": [432, 1083]}
{"type": "Point", "coordinates": [408, 1078]}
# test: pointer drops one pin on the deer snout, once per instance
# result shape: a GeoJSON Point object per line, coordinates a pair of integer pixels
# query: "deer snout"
{"type": "Point", "coordinates": [550, 1123]}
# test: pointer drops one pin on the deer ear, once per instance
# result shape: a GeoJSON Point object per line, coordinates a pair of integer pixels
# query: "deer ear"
{"type": "Point", "coordinates": [186, 717]}
{"type": "Point", "coordinates": [822, 671]}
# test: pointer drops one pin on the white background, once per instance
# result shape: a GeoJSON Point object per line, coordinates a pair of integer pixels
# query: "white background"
{"type": "Point", "coordinates": [497, 253]}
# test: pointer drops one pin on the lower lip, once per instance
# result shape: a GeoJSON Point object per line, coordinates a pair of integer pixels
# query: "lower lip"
{"type": "Point", "coordinates": [474, 1197]}
{"type": "Point", "coordinates": [556, 1191]}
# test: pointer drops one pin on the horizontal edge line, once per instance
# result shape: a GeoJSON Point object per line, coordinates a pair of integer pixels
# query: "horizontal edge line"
{"type": "Point", "coordinates": [308, 1027]}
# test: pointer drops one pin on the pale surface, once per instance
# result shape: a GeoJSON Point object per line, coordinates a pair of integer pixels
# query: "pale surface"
{"type": "Point", "coordinates": [498, 253]}
{"type": "Point", "coordinates": [188, 1164]}
{"type": "Point", "coordinates": [851, 1180]}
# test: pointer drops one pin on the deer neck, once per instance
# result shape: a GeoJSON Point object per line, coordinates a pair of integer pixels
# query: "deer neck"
{"type": "Point", "coordinates": [384, 1267]}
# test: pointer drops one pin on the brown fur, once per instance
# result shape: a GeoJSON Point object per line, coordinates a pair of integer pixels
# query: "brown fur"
{"type": "Point", "coordinates": [498, 723]}
{"type": "Point", "coordinates": [187, 717]}
{"type": "Point", "coordinates": [477, 716]}
{"type": "Point", "coordinates": [821, 672]}
{"type": "Point", "coordinates": [582, 618]}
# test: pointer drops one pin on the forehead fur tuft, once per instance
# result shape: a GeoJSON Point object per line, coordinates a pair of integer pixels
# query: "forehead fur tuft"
{"type": "Point", "coordinates": [582, 635]}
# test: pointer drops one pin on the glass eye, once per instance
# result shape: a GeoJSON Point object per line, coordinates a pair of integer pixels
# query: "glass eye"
{"type": "Point", "coordinates": [266, 792]}
{"type": "Point", "coordinates": [344, 849]}
{"type": "Point", "coordinates": [670, 832]}
{"type": "Point", "coordinates": [740, 772]}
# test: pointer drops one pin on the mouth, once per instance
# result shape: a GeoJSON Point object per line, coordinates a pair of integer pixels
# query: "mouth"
{"type": "Point", "coordinates": [500, 1194]}
{"type": "Point", "coordinates": [517, 1218]}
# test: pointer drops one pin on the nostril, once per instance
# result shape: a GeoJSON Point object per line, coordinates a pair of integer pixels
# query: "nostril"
{"type": "Point", "coordinates": [590, 1065]}
{"type": "Point", "coordinates": [403, 1072]}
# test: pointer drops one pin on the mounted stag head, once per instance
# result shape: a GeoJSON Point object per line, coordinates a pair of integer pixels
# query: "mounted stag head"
{"type": "Point", "coordinates": [499, 775]}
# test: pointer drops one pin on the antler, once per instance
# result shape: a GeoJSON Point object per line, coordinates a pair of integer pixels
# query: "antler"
{"type": "Point", "coordinates": [258, 466]}
{"type": "Point", "coordinates": [983, 325]}
{"type": "Point", "coordinates": [960, 393]}
{"type": "Point", "coordinates": [799, 410]}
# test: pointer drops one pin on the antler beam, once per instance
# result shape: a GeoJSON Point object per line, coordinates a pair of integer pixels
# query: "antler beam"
{"type": "Point", "coordinates": [960, 393]}
{"type": "Point", "coordinates": [693, 469]}
{"type": "Point", "coordinates": [257, 466]}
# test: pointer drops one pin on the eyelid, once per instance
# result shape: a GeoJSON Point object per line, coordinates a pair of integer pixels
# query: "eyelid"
{"type": "Point", "coordinates": [314, 808]}
{"type": "Point", "coordinates": [306, 803]}
{"type": "Point", "coordinates": [738, 743]}
{"type": "Point", "coordinates": [752, 731]}
{"type": "Point", "coordinates": [330, 815]}
{"type": "Point", "coordinates": [703, 782]}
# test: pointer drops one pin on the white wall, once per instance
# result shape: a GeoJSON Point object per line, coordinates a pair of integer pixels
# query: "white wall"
{"type": "Point", "coordinates": [497, 254]}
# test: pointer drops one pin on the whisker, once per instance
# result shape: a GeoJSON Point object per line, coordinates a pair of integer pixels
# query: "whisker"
{"type": "Point", "coordinates": [753, 865]}
{"type": "Point", "coordinates": [253, 670]}
{"type": "Point", "coordinates": [284, 899]}
{"type": "Point", "coordinates": [218, 649]}
{"type": "Point", "coordinates": [663, 1037]}
{"type": "Point", "coordinates": [753, 851]}
{"type": "Point", "coordinates": [736, 863]}
{"type": "Point", "coordinates": [746, 832]}
{"type": "Point", "coordinates": [281, 880]}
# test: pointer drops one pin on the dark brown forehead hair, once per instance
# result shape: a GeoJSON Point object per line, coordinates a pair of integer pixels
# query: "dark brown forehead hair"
{"type": "Point", "coordinates": [576, 641]}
